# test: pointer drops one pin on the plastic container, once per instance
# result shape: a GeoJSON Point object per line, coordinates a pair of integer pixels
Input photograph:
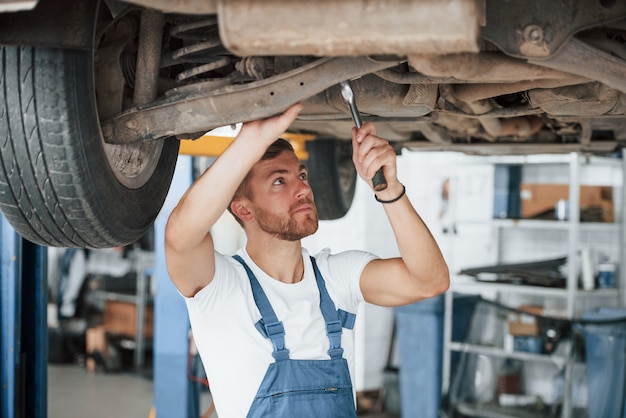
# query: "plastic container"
{"type": "Point", "coordinates": [605, 353]}
{"type": "Point", "coordinates": [606, 275]}
{"type": "Point", "coordinates": [420, 348]}
{"type": "Point", "coordinates": [528, 344]}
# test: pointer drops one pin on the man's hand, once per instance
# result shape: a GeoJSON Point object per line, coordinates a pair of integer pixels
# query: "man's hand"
{"type": "Point", "coordinates": [370, 152]}
{"type": "Point", "coordinates": [268, 130]}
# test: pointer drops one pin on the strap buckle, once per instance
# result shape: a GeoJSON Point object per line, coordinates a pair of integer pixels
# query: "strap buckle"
{"type": "Point", "coordinates": [276, 333]}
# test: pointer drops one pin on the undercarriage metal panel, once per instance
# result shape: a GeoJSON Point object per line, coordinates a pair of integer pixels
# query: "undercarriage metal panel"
{"type": "Point", "coordinates": [606, 68]}
{"type": "Point", "coordinates": [349, 27]}
{"type": "Point", "coordinates": [531, 29]}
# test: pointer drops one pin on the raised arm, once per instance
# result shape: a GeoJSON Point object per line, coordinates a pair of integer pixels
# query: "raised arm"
{"type": "Point", "coordinates": [188, 243]}
{"type": "Point", "coordinates": [421, 272]}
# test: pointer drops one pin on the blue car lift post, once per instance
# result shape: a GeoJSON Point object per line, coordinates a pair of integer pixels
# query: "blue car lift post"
{"type": "Point", "coordinates": [174, 395]}
{"type": "Point", "coordinates": [23, 319]}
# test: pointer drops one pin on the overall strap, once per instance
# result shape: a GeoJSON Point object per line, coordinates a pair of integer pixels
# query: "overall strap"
{"type": "Point", "coordinates": [329, 312]}
{"type": "Point", "coordinates": [273, 327]}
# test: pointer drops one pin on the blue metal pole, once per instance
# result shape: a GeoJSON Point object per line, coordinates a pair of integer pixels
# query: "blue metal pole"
{"type": "Point", "coordinates": [10, 297]}
{"type": "Point", "coordinates": [172, 388]}
{"type": "Point", "coordinates": [34, 324]}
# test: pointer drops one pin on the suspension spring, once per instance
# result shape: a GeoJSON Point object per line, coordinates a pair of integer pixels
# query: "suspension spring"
{"type": "Point", "coordinates": [201, 52]}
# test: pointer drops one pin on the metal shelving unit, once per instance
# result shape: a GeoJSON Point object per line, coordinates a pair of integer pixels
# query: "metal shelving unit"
{"type": "Point", "coordinates": [570, 293]}
{"type": "Point", "coordinates": [499, 352]}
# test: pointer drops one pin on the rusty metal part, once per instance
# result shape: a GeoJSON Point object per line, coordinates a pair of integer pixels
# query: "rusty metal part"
{"type": "Point", "coordinates": [195, 7]}
{"type": "Point", "coordinates": [529, 29]}
{"type": "Point", "coordinates": [198, 52]}
{"type": "Point", "coordinates": [264, 98]}
{"type": "Point", "coordinates": [504, 74]}
{"type": "Point", "coordinates": [193, 49]}
{"type": "Point", "coordinates": [606, 68]}
{"type": "Point", "coordinates": [109, 74]}
{"type": "Point", "coordinates": [611, 46]}
{"type": "Point", "coordinates": [496, 122]}
{"type": "Point", "coordinates": [585, 132]}
{"type": "Point", "coordinates": [585, 100]}
{"type": "Point", "coordinates": [435, 134]}
{"type": "Point", "coordinates": [148, 57]}
{"type": "Point", "coordinates": [486, 67]}
{"type": "Point", "coordinates": [256, 67]}
{"type": "Point", "coordinates": [349, 27]}
{"type": "Point", "coordinates": [474, 92]}
{"type": "Point", "coordinates": [204, 68]}
{"type": "Point", "coordinates": [399, 77]}
{"type": "Point", "coordinates": [505, 112]}
{"type": "Point", "coordinates": [109, 82]}
{"type": "Point", "coordinates": [132, 164]}
{"type": "Point", "coordinates": [504, 148]}
{"type": "Point", "coordinates": [521, 127]}
{"type": "Point", "coordinates": [182, 30]}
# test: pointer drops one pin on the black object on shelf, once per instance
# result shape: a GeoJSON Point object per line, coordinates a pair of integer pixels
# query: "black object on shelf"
{"type": "Point", "coordinates": [537, 273]}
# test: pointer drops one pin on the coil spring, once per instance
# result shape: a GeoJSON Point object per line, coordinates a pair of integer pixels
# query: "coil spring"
{"type": "Point", "coordinates": [202, 50]}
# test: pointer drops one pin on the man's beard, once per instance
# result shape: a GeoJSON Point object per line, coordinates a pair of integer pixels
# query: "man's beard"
{"type": "Point", "coordinates": [286, 227]}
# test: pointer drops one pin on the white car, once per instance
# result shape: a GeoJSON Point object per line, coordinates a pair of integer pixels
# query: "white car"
{"type": "Point", "coordinates": [97, 94]}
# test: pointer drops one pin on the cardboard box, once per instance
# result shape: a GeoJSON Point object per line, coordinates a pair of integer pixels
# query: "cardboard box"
{"type": "Point", "coordinates": [521, 324]}
{"type": "Point", "coordinates": [121, 318]}
{"type": "Point", "coordinates": [539, 198]}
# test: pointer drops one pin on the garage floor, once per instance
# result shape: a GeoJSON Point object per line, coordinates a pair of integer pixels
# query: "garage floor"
{"type": "Point", "coordinates": [74, 392]}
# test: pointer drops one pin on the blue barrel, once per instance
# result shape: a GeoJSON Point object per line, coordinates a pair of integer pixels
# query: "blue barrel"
{"type": "Point", "coordinates": [605, 355]}
{"type": "Point", "coordinates": [420, 348]}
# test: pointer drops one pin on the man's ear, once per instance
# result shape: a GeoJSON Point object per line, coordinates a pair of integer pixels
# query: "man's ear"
{"type": "Point", "coordinates": [240, 208]}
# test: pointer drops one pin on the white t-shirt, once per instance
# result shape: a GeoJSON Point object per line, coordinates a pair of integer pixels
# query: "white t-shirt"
{"type": "Point", "coordinates": [234, 353]}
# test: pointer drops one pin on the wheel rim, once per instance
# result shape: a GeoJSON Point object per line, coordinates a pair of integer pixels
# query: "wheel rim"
{"type": "Point", "coordinates": [132, 164]}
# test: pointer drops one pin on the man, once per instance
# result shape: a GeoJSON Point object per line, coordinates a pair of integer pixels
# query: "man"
{"type": "Point", "coordinates": [273, 326]}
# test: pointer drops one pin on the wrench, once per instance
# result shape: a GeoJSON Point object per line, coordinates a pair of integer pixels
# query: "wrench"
{"type": "Point", "coordinates": [379, 181]}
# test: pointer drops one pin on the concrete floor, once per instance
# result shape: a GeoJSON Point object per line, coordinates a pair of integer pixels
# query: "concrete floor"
{"type": "Point", "coordinates": [74, 392]}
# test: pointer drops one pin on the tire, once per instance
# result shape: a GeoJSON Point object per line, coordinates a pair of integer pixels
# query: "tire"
{"type": "Point", "coordinates": [332, 176]}
{"type": "Point", "coordinates": [60, 184]}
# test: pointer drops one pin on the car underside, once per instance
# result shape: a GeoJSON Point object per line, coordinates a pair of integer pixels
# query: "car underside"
{"type": "Point", "coordinates": [477, 76]}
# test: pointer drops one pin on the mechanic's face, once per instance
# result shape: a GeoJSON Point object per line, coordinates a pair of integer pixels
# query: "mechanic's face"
{"type": "Point", "coordinates": [282, 198]}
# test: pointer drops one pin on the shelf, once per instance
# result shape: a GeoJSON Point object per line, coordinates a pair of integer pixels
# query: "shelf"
{"type": "Point", "coordinates": [543, 159]}
{"type": "Point", "coordinates": [116, 296]}
{"type": "Point", "coordinates": [545, 224]}
{"type": "Point", "coordinates": [499, 352]}
{"type": "Point", "coordinates": [476, 287]}
{"type": "Point", "coordinates": [552, 225]}
{"type": "Point", "coordinates": [490, 410]}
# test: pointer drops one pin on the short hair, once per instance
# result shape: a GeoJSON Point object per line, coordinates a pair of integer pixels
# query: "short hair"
{"type": "Point", "coordinates": [244, 190]}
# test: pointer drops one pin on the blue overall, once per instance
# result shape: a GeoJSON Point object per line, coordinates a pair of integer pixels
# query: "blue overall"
{"type": "Point", "coordinates": [303, 388]}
